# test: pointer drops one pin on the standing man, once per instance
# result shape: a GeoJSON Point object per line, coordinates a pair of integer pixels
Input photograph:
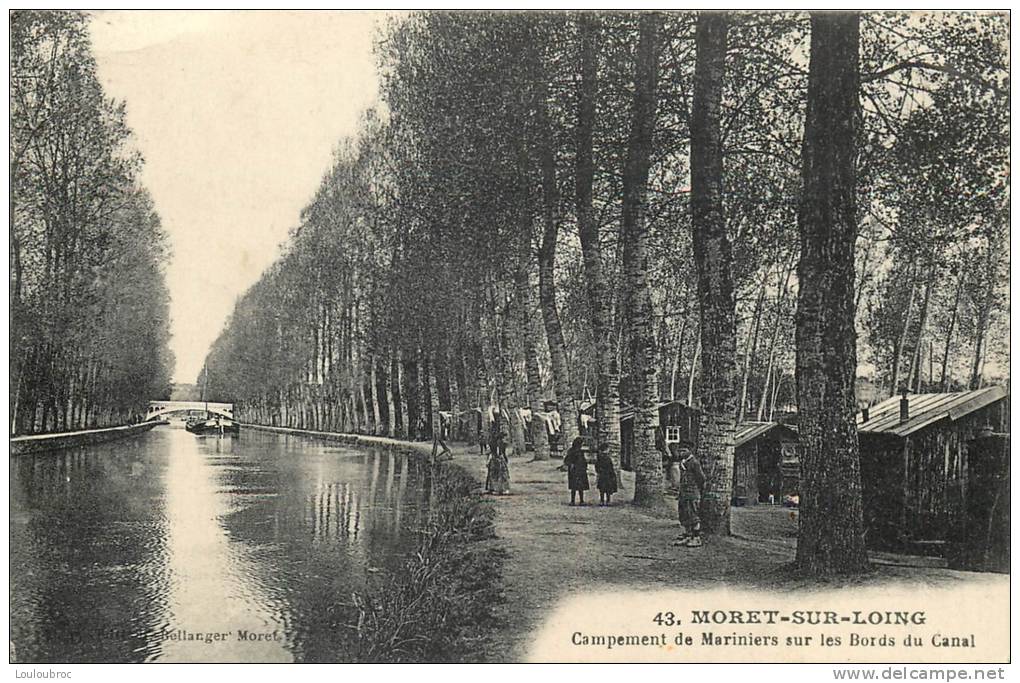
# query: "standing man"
{"type": "Point", "coordinates": [439, 438]}
{"type": "Point", "coordinates": [692, 486]}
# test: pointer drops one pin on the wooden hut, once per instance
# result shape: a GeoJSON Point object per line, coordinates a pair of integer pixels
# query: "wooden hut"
{"type": "Point", "coordinates": [981, 541]}
{"type": "Point", "coordinates": [766, 464]}
{"type": "Point", "coordinates": [677, 422]}
{"type": "Point", "coordinates": [919, 454]}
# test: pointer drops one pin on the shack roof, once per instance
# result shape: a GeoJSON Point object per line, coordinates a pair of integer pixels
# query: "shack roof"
{"type": "Point", "coordinates": [925, 410]}
{"type": "Point", "coordinates": [749, 431]}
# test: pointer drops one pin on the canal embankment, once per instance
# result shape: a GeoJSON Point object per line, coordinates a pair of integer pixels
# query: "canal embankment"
{"type": "Point", "coordinates": [38, 443]}
{"type": "Point", "coordinates": [349, 439]}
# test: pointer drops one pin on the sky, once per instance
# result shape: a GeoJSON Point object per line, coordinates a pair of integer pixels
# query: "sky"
{"type": "Point", "coordinates": [236, 115]}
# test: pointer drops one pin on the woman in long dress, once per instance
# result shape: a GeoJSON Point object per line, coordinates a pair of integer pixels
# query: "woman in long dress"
{"type": "Point", "coordinates": [498, 479]}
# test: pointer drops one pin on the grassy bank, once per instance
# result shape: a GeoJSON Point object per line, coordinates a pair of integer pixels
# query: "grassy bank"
{"type": "Point", "coordinates": [441, 605]}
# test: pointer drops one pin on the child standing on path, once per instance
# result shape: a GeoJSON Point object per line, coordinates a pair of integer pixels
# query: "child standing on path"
{"type": "Point", "coordinates": [605, 478]}
{"type": "Point", "coordinates": [692, 486]}
{"type": "Point", "coordinates": [577, 470]}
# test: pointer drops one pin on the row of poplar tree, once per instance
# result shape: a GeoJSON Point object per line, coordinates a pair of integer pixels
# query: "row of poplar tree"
{"type": "Point", "coordinates": [716, 208]}
{"type": "Point", "coordinates": [89, 304]}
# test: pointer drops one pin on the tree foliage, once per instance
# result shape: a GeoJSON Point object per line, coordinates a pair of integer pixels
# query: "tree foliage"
{"type": "Point", "coordinates": [508, 178]}
{"type": "Point", "coordinates": [89, 304]}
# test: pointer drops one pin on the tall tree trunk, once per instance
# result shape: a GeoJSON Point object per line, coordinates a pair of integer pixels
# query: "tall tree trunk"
{"type": "Point", "coordinates": [607, 405]}
{"type": "Point", "coordinates": [713, 259]}
{"type": "Point", "coordinates": [355, 411]}
{"type": "Point", "coordinates": [368, 428]}
{"type": "Point", "coordinates": [425, 395]}
{"type": "Point", "coordinates": [646, 459]}
{"type": "Point", "coordinates": [409, 391]}
{"type": "Point", "coordinates": [467, 396]}
{"type": "Point", "coordinates": [441, 368]}
{"type": "Point", "coordinates": [946, 377]}
{"type": "Point", "coordinates": [15, 404]}
{"type": "Point", "coordinates": [914, 376]}
{"type": "Point", "coordinates": [501, 371]}
{"type": "Point", "coordinates": [831, 534]}
{"type": "Point", "coordinates": [984, 316]}
{"type": "Point", "coordinates": [435, 420]}
{"type": "Point", "coordinates": [662, 373]}
{"type": "Point", "coordinates": [865, 262]}
{"type": "Point", "coordinates": [374, 387]}
{"type": "Point", "coordinates": [539, 436]}
{"type": "Point", "coordinates": [901, 339]}
{"type": "Point", "coordinates": [694, 371]}
{"type": "Point", "coordinates": [509, 399]}
{"type": "Point", "coordinates": [395, 396]}
{"type": "Point", "coordinates": [484, 403]}
{"type": "Point", "coordinates": [780, 299]}
{"type": "Point", "coordinates": [547, 287]}
{"type": "Point", "coordinates": [679, 359]}
{"type": "Point", "coordinates": [491, 386]}
{"type": "Point", "coordinates": [456, 385]}
{"type": "Point", "coordinates": [751, 350]}
{"type": "Point", "coordinates": [976, 378]}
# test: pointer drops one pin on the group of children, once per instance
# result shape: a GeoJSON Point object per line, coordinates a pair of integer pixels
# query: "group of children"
{"type": "Point", "coordinates": [684, 469]}
{"type": "Point", "coordinates": [576, 465]}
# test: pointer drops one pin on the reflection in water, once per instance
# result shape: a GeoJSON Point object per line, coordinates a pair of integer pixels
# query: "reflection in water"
{"type": "Point", "coordinates": [205, 568]}
{"type": "Point", "coordinates": [127, 551]}
{"type": "Point", "coordinates": [84, 557]}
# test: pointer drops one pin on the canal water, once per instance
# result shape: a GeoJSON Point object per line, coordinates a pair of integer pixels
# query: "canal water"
{"type": "Point", "coordinates": [175, 547]}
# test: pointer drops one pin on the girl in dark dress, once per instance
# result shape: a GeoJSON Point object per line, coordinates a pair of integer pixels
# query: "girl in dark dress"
{"type": "Point", "coordinates": [577, 471]}
{"type": "Point", "coordinates": [606, 479]}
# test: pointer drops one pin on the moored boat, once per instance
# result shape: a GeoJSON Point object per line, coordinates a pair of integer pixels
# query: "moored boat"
{"type": "Point", "coordinates": [213, 425]}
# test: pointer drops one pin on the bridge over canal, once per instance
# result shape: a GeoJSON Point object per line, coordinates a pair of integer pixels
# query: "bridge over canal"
{"type": "Point", "coordinates": [158, 410]}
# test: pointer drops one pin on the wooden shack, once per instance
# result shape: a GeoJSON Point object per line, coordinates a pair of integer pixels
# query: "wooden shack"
{"type": "Point", "coordinates": [919, 454]}
{"type": "Point", "coordinates": [681, 417]}
{"type": "Point", "coordinates": [766, 464]}
{"type": "Point", "coordinates": [981, 541]}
